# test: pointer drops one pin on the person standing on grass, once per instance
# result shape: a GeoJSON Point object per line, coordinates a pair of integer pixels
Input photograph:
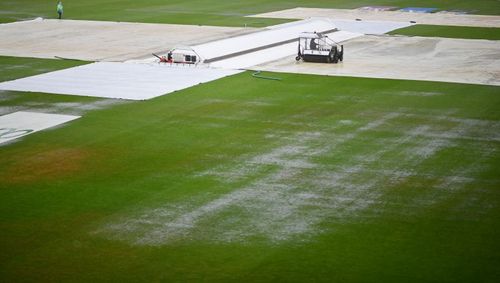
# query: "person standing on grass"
{"type": "Point", "coordinates": [60, 9]}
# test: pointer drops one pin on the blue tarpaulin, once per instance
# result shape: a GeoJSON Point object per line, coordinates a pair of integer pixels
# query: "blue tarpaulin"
{"type": "Point", "coordinates": [418, 10]}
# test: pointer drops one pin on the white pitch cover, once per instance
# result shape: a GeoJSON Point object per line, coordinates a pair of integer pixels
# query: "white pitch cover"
{"type": "Point", "coordinates": [118, 80]}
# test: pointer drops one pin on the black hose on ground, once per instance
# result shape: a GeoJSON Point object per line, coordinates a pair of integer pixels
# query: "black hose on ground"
{"type": "Point", "coordinates": [257, 75]}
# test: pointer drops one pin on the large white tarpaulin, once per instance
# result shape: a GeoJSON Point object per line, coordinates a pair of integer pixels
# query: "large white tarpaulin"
{"type": "Point", "coordinates": [118, 80]}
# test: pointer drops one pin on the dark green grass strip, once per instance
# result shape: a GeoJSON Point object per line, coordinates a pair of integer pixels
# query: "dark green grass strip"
{"type": "Point", "coordinates": [16, 67]}
{"type": "Point", "coordinates": [450, 32]}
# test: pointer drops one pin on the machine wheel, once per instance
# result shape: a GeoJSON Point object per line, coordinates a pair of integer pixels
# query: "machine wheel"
{"type": "Point", "coordinates": [297, 58]}
{"type": "Point", "coordinates": [332, 56]}
{"type": "Point", "coordinates": [335, 55]}
{"type": "Point", "coordinates": [341, 54]}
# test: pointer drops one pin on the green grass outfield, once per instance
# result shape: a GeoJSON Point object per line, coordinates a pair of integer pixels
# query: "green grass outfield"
{"type": "Point", "coordinates": [306, 179]}
{"type": "Point", "coordinates": [221, 12]}
{"type": "Point", "coordinates": [12, 68]}
{"type": "Point", "coordinates": [450, 32]}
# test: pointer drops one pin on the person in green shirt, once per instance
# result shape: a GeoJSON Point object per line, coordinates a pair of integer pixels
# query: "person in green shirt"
{"type": "Point", "coordinates": [60, 9]}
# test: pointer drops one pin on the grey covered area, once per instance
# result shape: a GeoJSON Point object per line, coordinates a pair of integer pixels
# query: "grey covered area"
{"type": "Point", "coordinates": [100, 40]}
{"type": "Point", "coordinates": [413, 58]}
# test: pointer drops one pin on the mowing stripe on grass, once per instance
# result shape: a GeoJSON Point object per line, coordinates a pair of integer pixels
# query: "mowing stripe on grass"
{"type": "Point", "coordinates": [450, 32]}
{"type": "Point", "coordinates": [288, 192]}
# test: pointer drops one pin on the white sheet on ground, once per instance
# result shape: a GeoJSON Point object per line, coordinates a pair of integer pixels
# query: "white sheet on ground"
{"type": "Point", "coordinates": [19, 124]}
{"type": "Point", "coordinates": [118, 80]}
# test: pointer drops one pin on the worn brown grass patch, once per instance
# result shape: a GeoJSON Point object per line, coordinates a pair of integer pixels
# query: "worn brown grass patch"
{"type": "Point", "coordinates": [45, 165]}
